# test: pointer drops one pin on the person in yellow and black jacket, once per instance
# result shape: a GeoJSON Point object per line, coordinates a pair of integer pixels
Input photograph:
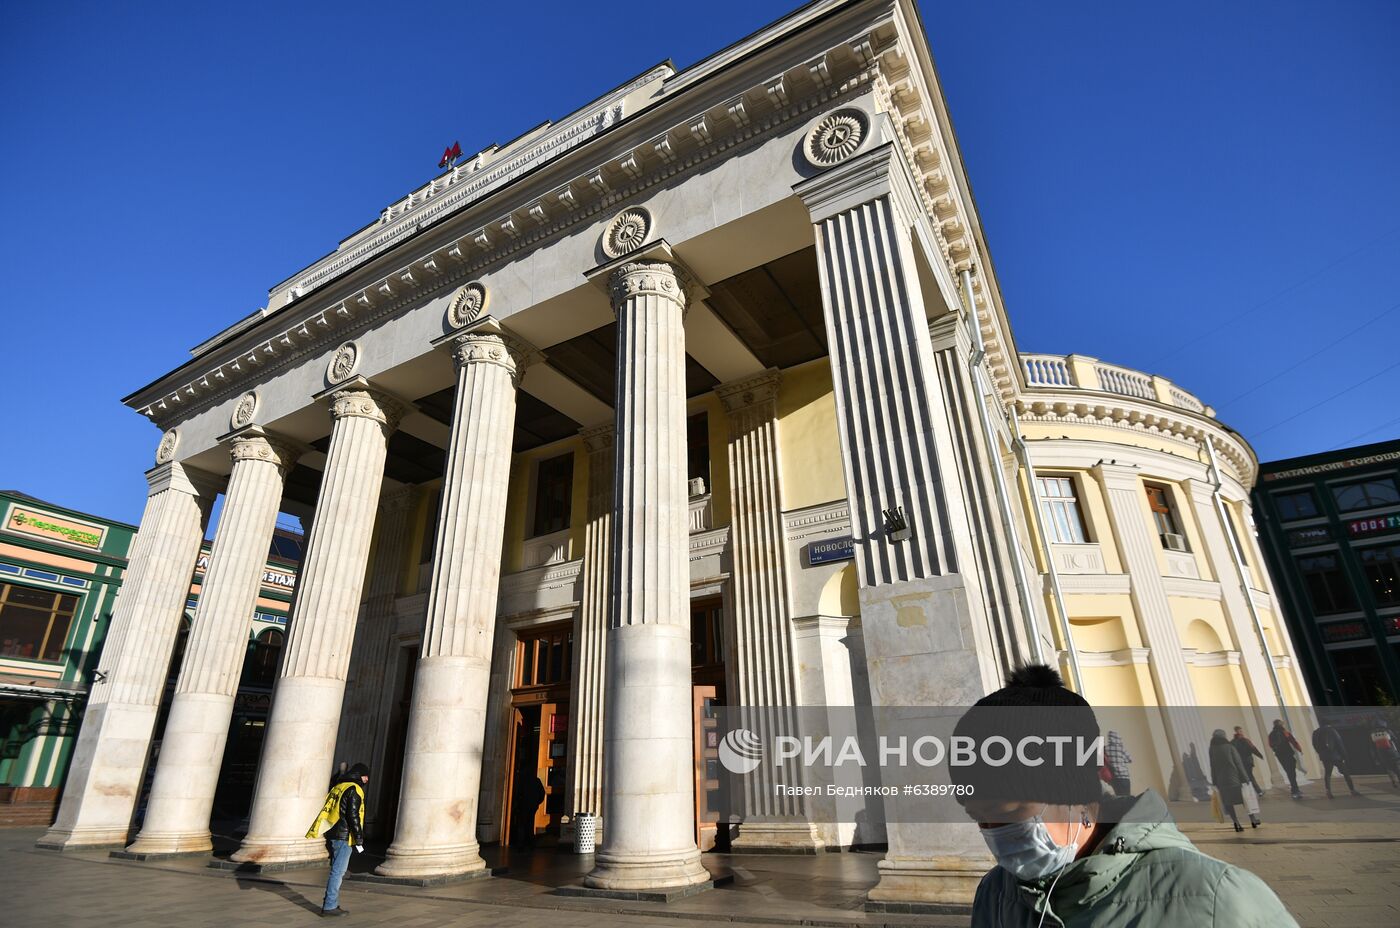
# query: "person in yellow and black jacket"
{"type": "Point", "coordinates": [344, 812]}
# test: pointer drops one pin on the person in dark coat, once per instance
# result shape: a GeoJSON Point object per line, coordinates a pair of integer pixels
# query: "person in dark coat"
{"type": "Point", "coordinates": [528, 796]}
{"type": "Point", "coordinates": [1247, 754]}
{"type": "Point", "coordinates": [1327, 742]}
{"type": "Point", "coordinates": [1286, 748]}
{"type": "Point", "coordinates": [1228, 774]}
{"type": "Point", "coordinates": [344, 812]}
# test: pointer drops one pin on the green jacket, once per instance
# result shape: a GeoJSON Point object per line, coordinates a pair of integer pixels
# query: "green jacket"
{"type": "Point", "coordinates": [1143, 873]}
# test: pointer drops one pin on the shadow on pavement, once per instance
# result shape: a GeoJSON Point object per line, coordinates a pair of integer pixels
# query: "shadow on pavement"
{"type": "Point", "coordinates": [279, 889]}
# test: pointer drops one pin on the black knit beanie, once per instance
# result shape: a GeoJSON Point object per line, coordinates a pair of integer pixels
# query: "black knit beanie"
{"type": "Point", "coordinates": [356, 771]}
{"type": "Point", "coordinates": [1033, 705]}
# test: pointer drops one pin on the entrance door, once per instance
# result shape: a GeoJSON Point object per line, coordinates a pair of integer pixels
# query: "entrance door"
{"type": "Point", "coordinates": [708, 833]}
{"type": "Point", "coordinates": [535, 801]}
{"type": "Point", "coordinates": [385, 811]}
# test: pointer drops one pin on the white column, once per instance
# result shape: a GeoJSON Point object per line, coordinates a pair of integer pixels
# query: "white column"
{"type": "Point", "coordinates": [585, 765]}
{"type": "Point", "coordinates": [1138, 544]}
{"type": "Point", "coordinates": [921, 607]}
{"type": "Point", "coordinates": [109, 759]}
{"type": "Point", "coordinates": [435, 831]}
{"type": "Point", "coordinates": [362, 719]}
{"type": "Point", "coordinates": [766, 671]}
{"type": "Point", "coordinates": [648, 798]}
{"type": "Point", "coordinates": [192, 748]}
{"type": "Point", "coordinates": [299, 749]}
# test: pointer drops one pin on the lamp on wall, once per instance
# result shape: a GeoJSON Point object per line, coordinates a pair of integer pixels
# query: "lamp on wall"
{"type": "Point", "coordinates": [896, 526]}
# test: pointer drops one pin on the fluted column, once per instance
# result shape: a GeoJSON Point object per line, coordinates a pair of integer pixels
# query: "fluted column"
{"type": "Point", "coordinates": [361, 718]}
{"type": "Point", "coordinates": [921, 601]}
{"type": "Point", "coordinates": [763, 641]}
{"type": "Point", "coordinates": [648, 798]}
{"type": "Point", "coordinates": [585, 788]}
{"type": "Point", "coordinates": [299, 749]}
{"type": "Point", "coordinates": [192, 748]}
{"type": "Point", "coordinates": [1138, 544]}
{"type": "Point", "coordinates": [435, 831]}
{"type": "Point", "coordinates": [109, 759]}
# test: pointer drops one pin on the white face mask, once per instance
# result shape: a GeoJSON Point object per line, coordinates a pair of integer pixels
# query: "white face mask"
{"type": "Point", "coordinates": [1026, 850]}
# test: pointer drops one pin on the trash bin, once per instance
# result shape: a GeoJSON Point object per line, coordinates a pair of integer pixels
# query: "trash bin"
{"type": "Point", "coordinates": [585, 832]}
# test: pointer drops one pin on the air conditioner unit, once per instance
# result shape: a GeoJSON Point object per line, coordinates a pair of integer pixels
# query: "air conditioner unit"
{"type": "Point", "coordinates": [1173, 542]}
{"type": "Point", "coordinates": [696, 487]}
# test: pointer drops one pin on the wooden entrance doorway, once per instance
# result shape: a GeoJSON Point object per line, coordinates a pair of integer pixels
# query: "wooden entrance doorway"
{"type": "Point", "coordinates": [707, 689]}
{"type": "Point", "coordinates": [535, 775]}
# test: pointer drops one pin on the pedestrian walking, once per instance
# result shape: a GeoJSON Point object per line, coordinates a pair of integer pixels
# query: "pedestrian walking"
{"type": "Point", "coordinates": [1248, 752]}
{"type": "Point", "coordinates": [1327, 742]}
{"type": "Point", "coordinates": [1384, 751]}
{"type": "Point", "coordinates": [1230, 777]}
{"type": "Point", "coordinates": [1286, 748]}
{"type": "Point", "coordinates": [1117, 760]}
{"type": "Point", "coordinates": [1069, 854]}
{"type": "Point", "coordinates": [342, 815]}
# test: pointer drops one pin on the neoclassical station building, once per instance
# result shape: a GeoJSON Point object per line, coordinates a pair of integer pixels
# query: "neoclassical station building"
{"type": "Point", "coordinates": [704, 394]}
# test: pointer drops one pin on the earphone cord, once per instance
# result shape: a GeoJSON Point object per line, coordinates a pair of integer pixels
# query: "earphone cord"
{"type": "Point", "coordinates": [1045, 910]}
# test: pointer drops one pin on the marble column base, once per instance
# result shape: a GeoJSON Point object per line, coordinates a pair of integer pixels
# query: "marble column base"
{"type": "Point", "coordinates": [436, 863]}
{"type": "Point", "coordinates": [182, 795]}
{"type": "Point", "coordinates": [641, 872]}
{"type": "Point", "coordinates": [928, 881]}
{"type": "Point", "coordinates": [150, 845]}
{"type": "Point", "coordinates": [777, 838]}
{"type": "Point", "coordinates": [294, 773]}
{"type": "Point", "coordinates": [106, 771]}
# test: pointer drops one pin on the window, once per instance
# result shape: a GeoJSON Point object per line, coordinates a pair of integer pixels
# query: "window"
{"type": "Point", "coordinates": [698, 448]}
{"type": "Point", "coordinates": [1382, 569]}
{"type": "Point", "coordinates": [34, 623]}
{"type": "Point", "coordinates": [1298, 504]}
{"type": "Point", "coordinates": [1327, 586]}
{"type": "Point", "coordinates": [1159, 500]}
{"type": "Point", "coordinates": [260, 665]}
{"type": "Point", "coordinates": [430, 526]}
{"type": "Point", "coordinates": [1064, 523]}
{"type": "Point", "coordinates": [542, 656]}
{"type": "Point", "coordinates": [707, 633]}
{"type": "Point", "coordinates": [1361, 677]}
{"type": "Point", "coordinates": [1368, 494]}
{"type": "Point", "coordinates": [554, 493]}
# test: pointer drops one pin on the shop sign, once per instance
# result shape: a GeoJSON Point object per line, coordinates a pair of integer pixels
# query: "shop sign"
{"type": "Point", "coordinates": [36, 523]}
{"type": "Point", "coordinates": [278, 578]}
{"type": "Point", "coordinates": [1360, 528]}
{"type": "Point", "coordinates": [1316, 535]}
{"type": "Point", "coordinates": [828, 550]}
{"type": "Point", "coordinates": [1344, 631]}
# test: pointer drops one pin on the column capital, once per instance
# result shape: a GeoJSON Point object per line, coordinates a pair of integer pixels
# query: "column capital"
{"type": "Point", "coordinates": [879, 172]}
{"type": "Point", "coordinates": [753, 390]}
{"type": "Point", "coordinates": [1118, 476]}
{"type": "Point", "coordinates": [598, 438]}
{"type": "Point", "coordinates": [356, 397]}
{"type": "Point", "coordinates": [184, 479]}
{"type": "Point", "coordinates": [487, 342]}
{"type": "Point", "coordinates": [255, 443]}
{"type": "Point", "coordinates": [648, 277]}
{"type": "Point", "coordinates": [397, 499]}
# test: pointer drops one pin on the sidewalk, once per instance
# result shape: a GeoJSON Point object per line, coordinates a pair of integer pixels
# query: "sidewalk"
{"type": "Point", "coordinates": [1328, 874]}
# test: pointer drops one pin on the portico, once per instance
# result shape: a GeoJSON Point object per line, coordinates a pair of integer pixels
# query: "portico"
{"type": "Point", "coordinates": [568, 422]}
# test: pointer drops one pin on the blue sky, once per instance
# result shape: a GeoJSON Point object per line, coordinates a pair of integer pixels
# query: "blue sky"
{"type": "Point", "coordinates": [1207, 191]}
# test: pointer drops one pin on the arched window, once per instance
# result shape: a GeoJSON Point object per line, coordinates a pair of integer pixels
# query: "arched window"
{"type": "Point", "coordinates": [260, 666]}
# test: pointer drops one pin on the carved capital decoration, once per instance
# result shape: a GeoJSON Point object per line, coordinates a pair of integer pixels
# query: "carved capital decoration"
{"type": "Point", "coordinates": [598, 438]}
{"type": "Point", "coordinates": [343, 363]}
{"type": "Point", "coordinates": [165, 451]}
{"type": "Point", "coordinates": [266, 449]}
{"type": "Point", "coordinates": [647, 278]}
{"type": "Point", "coordinates": [750, 391]}
{"type": "Point", "coordinates": [493, 348]}
{"type": "Point", "coordinates": [368, 404]}
{"type": "Point", "coordinates": [836, 137]}
{"type": "Point", "coordinates": [467, 305]}
{"type": "Point", "coordinates": [627, 232]}
{"type": "Point", "coordinates": [244, 411]}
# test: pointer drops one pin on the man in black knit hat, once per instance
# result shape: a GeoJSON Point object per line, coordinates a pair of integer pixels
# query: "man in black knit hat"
{"type": "Point", "coordinates": [344, 812]}
{"type": "Point", "coordinates": [1069, 853]}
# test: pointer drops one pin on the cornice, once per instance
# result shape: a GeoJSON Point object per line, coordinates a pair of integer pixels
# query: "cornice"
{"type": "Point", "coordinates": [1113, 410]}
{"type": "Point", "coordinates": [336, 313]}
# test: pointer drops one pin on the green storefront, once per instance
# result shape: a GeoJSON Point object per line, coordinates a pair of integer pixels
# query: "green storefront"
{"type": "Point", "coordinates": [60, 571]}
{"type": "Point", "coordinates": [1330, 524]}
